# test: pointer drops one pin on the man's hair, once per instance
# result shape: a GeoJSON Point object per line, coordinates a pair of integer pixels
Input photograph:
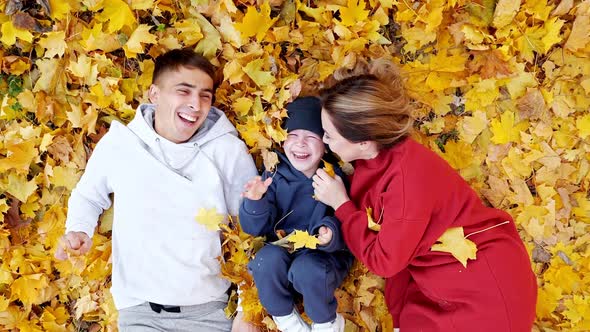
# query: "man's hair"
{"type": "Point", "coordinates": [175, 59]}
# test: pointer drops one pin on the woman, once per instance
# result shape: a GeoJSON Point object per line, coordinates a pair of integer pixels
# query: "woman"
{"type": "Point", "coordinates": [415, 196]}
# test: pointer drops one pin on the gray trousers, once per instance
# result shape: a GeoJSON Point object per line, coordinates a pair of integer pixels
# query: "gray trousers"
{"type": "Point", "coordinates": [196, 318]}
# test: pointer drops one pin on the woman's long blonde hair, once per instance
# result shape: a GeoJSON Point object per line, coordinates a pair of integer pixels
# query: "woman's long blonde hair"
{"type": "Point", "coordinates": [369, 103]}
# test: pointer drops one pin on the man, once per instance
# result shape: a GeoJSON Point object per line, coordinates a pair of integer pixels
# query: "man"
{"type": "Point", "coordinates": [178, 155]}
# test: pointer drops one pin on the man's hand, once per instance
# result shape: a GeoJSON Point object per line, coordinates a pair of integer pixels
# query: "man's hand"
{"type": "Point", "coordinates": [240, 325]}
{"type": "Point", "coordinates": [256, 188]}
{"type": "Point", "coordinates": [74, 243]}
{"type": "Point", "coordinates": [324, 235]}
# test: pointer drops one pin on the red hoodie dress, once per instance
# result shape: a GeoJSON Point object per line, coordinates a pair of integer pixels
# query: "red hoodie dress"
{"type": "Point", "coordinates": [416, 196]}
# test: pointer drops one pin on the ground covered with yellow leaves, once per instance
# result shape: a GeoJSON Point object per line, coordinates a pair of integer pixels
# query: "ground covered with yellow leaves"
{"type": "Point", "coordinates": [501, 90]}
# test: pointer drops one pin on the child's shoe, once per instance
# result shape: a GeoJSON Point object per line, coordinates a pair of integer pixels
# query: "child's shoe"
{"type": "Point", "coordinates": [335, 326]}
{"type": "Point", "coordinates": [291, 323]}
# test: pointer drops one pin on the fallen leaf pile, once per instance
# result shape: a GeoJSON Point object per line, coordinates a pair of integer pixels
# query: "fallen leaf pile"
{"type": "Point", "coordinates": [500, 88]}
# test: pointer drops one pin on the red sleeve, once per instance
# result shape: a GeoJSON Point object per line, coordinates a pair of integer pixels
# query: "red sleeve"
{"type": "Point", "coordinates": [390, 250]}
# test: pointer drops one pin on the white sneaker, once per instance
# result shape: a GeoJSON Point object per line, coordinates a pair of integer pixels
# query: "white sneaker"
{"type": "Point", "coordinates": [335, 326]}
{"type": "Point", "coordinates": [291, 323]}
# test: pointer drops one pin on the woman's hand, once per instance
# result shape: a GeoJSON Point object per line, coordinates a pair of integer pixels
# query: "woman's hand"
{"type": "Point", "coordinates": [256, 188]}
{"type": "Point", "coordinates": [329, 190]}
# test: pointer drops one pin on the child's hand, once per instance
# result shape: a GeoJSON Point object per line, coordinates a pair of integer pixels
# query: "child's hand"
{"type": "Point", "coordinates": [324, 235]}
{"type": "Point", "coordinates": [256, 188]}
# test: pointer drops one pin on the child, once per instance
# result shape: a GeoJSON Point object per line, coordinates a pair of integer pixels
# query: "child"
{"type": "Point", "coordinates": [285, 201]}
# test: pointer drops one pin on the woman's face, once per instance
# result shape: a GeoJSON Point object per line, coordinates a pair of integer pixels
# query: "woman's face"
{"type": "Point", "coordinates": [345, 149]}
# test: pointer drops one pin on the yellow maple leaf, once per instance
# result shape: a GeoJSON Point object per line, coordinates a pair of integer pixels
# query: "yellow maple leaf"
{"type": "Point", "coordinates": [329, 168]}
{"type": "Point", "coordinates": [84, 69]}
{"type": "Point", "coordinates": [19, 156]}
{"type": "Point", "coordinates": [242, 105]}
{"type": "Point", "coordinates": [548, 299]}
{"type": "Point", "coordinates": [134, 43]}
{"type": "Point", "coordinates": [96, 39]}
{"type": "Point", "coordinates": [254, 70]}
{"type": "Point", "coordinates": [54, 43]}
{"type": "Point", "coordinates": [59, 9]}
{"type": "Point", "coordinates": [458, 154]}
{"type": "Point", "coordinates": [252, 135]}
{"type": "Point", "coordinates": [471, 126]}
{"type": "Point", "coordinates": [4, 302]}
{"type": "Point", "coordinates": [84, 305]}
{"type": "Point", "coordinates": [530, 42]}
{"type": "Point", "coordinates": [505, 12]}
{"type": "Point", "coordinates": [9, 33]}
{"type": "Point", "coordinates": [302, 239]}
{"type": "Point", "coordinates": [256, 22]}
{"type": "Point", "coordinates": [505, 130]}
{"type": "Point", "coordinates": [142, 4]}
{"type": "Point", "coordinates": [276, 133]}
{"type": "Point", "coordinates": [118, 14]}
{"type": "Point", "coordinates": [189, 31]}
{"type": "Point", "coordinates": [229, 32]}
{"type": "Point", "coordinates": [582, 124]}
{"type": "Point", "coordinates": [29, 288]}
{"type": "Point", "coordinates": [454, 242]}
{"type": "Point", "coordinates": [482, 94]}
{"type": "Point", "coordinates": [372, 225]}
{"type": "Point", "coordinates": [270, 159]}
{"type": "Point", "coordinates": [19, 66]}
{"type": "Point", "coordinates": [578, 38]}
{"type": "Point", "coordinates": [65, 176]}
{"type": "Point", "coordinates": [210, 218]}
{"type": "Point", "coordinates": [552, 31]}
{"type": "Point", "coordinates": [209, 45]}
{"type": "Point", "coordinates": [354, 12]}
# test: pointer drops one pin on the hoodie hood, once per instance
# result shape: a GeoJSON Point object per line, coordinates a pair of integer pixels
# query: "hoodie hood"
{"type": "Point", "coordinates": [216, 125]}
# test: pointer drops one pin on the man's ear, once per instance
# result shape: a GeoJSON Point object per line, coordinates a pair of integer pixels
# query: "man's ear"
{"type": "Point", "coordinates": [153, 93]}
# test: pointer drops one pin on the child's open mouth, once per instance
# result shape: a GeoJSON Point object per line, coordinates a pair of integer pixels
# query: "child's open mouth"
{"type": "Point", "coordinates": [301, 156]}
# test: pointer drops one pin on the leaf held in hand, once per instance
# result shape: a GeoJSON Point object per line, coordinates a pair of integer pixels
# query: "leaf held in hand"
{"type": "Point", "coordinates": [302, 239]}
{"type": "Point", "coordinates": [329, 168]}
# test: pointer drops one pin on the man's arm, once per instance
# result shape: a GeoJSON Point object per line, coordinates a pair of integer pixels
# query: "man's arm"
{"type": "Point", "coordinates": [87, 201]}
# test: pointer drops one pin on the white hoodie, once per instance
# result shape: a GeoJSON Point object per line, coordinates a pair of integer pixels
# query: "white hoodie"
{"type": "Point", "coordinates": [161, 254]}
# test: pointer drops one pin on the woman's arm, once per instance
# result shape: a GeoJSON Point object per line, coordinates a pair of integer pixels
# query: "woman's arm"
{"type": "Point", "coordinates": [387, 251]}
{"type": "Point", "coordinates": [403, 224]}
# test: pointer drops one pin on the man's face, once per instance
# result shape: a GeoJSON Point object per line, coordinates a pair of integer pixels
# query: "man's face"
{"type": "Point", "coordinates": [183, 99]}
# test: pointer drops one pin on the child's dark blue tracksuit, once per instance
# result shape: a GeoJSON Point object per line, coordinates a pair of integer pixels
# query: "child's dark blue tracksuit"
{"type": "Point", "coordinates": [314, 273]}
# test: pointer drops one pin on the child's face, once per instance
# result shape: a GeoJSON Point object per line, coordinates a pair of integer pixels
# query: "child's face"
{"type": "Point", "coordinates": [305, 150]}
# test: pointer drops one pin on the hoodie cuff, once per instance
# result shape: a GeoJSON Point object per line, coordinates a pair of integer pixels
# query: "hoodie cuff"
{"type": "Point", "coordinates": [80, 227]}
{"type": "Point", "coordinates": [256, 207]}
{"type": "Point", "coordinates": [345, 210]}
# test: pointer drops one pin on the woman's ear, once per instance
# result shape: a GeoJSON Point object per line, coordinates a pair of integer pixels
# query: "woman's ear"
{"type": "Point", "coordinates": [363, 146]}
{"type": "Point", "coordinates": [153, 93]}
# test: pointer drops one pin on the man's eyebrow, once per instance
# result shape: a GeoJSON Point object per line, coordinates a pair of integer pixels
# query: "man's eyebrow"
{"type": "Point", "coordinates": [191, 86]}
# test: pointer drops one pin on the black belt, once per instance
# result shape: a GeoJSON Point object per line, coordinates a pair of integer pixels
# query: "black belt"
{"type": "Point", "coordinates": [158, 308]}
